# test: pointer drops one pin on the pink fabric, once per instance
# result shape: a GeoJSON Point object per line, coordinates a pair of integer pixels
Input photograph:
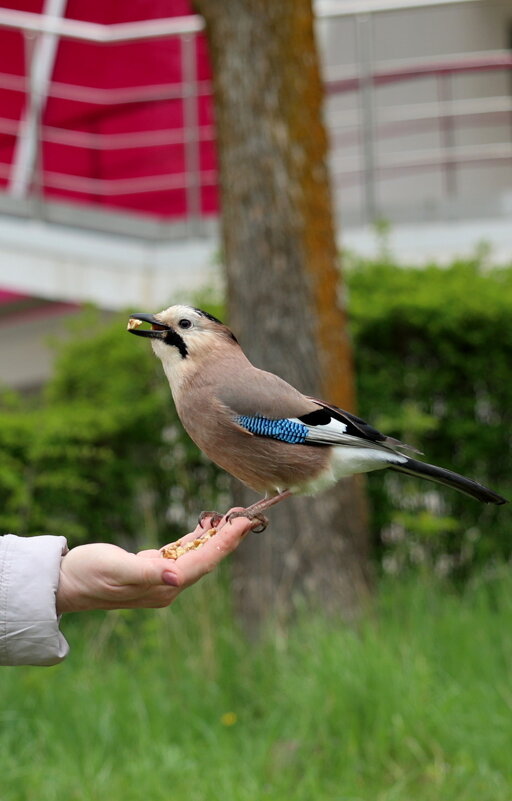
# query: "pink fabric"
{"type": "Point", "coordinates": [114, 67]}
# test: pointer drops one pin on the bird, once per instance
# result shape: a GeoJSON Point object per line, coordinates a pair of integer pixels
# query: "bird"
{"type": "Point", "coordinates": [256, 426]}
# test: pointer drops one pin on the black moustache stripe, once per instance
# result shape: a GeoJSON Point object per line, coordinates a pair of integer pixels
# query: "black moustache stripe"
{"type": "Point", "coordinates": [172, 337]}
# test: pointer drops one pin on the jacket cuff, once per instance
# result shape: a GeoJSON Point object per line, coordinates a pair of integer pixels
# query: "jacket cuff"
{"type": "Point", "coordinates": [29, 577]}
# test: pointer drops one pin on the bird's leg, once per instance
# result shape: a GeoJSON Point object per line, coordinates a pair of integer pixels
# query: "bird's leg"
{"type": "Point", "coordinates": [255, 511]}
{"type": "Point", "coordinates": [265, 503]}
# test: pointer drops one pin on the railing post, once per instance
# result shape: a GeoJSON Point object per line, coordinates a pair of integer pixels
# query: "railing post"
{"type": "Point", "coordinates": [191, 132]}
{"type": "Point", "coordinates": [365, 56]}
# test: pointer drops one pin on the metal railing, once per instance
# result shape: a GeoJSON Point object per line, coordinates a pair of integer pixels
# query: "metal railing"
{"type": "Point", "coordinates": [366, 124]}
{"type": "Point", "coordinates": [443, 115]}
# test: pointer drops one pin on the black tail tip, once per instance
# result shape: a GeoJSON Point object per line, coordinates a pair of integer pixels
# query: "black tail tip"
{"type": "Point", "coordinates": [486, 495]}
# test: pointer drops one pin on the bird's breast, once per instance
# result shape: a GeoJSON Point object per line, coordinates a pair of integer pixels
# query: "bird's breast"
{"type": "Point", "coordinates": [264, 464]}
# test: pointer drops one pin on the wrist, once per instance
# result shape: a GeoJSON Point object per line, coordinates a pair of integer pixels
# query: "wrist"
{"type": "Point", "coordinates": [62, 599]}
{"type": "Point", "coordinates": [68, 597]}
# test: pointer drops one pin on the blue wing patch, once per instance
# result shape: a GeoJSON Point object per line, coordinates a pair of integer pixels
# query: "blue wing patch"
{"type": "Point", "coordinates": [283, 429]}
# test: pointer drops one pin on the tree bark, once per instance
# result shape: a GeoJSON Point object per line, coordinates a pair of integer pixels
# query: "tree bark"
{"type": "Point", "coordinates": [283, 284]}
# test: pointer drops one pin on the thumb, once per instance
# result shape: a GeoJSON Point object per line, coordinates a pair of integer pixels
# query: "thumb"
{"type": "Point", "coordinates": [152, 569]}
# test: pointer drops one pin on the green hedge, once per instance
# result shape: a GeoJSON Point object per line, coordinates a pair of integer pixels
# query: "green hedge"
{"type": "Point", "coordinates": [102, 456]}
{"type": "Point", "coordinates": [434, 355]}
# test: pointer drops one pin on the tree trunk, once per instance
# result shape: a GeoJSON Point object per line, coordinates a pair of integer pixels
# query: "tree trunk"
{"type": "Point", "coordinates": [283, 284]}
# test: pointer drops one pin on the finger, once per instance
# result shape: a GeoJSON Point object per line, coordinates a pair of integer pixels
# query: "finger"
{"type": "Point", "coordinates": [194, 564]}
{"type": "Point", "coordinates": [168, 576]}
{"type": "Point", "coordinates": [193, 535]}
{"type": "Point", "coordinates": [199, 531]}
{"type": "Point", "coordinates": [157, 570]}
{"type": "Point", "coordinates": [147, 571]}
{"type": "Point", "coordinates": [202, 528]}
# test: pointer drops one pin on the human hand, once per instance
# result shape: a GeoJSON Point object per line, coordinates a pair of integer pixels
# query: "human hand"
{"type": "Point", "coordinates": [104, 576]}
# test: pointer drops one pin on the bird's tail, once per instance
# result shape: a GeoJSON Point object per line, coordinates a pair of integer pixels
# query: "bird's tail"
{"type": "Point", "coordinates": [449, 479]}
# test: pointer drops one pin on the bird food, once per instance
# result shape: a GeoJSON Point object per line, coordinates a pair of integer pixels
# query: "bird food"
{"type": "Point", "coordinates": [177, 549]}
{"type": "Point", "coordinates": [133, 323]}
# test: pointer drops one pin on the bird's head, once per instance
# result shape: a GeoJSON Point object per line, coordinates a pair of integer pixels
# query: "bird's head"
{"type": "Point", "coordinates": [181, 335]}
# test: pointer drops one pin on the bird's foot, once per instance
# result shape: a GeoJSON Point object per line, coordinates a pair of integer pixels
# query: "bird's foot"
{"type": "Point", "coordinates": [263, 521]}
{"type": "Point", "coordinates": [214, 517]}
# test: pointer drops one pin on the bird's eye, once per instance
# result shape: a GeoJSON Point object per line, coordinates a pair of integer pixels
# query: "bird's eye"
{"type": "Point", "coordinates": [184, 323]}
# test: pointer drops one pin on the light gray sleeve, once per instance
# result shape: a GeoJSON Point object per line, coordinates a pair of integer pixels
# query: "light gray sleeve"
{"type": "Point", "coordinates": [29, 577]}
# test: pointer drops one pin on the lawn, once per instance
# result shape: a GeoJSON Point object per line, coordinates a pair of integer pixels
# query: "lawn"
{"type": "Point", "coordinates": [415, 704]}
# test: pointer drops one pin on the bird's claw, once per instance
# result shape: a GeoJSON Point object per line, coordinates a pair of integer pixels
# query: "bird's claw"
{"type": "Point", "coordinates": [264, 521]}
{"type": "Point", "coordinates": [215, 518]}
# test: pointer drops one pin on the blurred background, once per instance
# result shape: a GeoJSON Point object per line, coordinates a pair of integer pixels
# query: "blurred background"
{"type": "Point", "coordinates": [109, 202]}
{"type": "Point", "coordinates": [107, 148]}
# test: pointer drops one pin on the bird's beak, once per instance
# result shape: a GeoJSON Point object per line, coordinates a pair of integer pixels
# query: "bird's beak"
{"type": "Point", "coordinates": [157, 330]}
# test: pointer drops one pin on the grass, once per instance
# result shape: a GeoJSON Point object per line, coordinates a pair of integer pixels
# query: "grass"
{"type": "Point", "coordinates": [414, 705]}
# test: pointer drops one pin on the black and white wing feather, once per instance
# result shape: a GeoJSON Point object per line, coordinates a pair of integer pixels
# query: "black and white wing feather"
{"type": "Point", "coordinates": [332, 425]}
{"type": "Point", "coordinates": [358, 447]}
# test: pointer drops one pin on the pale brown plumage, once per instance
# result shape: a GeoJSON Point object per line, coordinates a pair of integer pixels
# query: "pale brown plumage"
{"type": "Point", "coordinates": [206, 404]}
{"type": "Point", "coordinates": [272, 466]}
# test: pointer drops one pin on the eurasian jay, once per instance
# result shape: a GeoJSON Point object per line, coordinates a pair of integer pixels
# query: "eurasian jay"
{"type": "Point", "coordinates": [262, 430]}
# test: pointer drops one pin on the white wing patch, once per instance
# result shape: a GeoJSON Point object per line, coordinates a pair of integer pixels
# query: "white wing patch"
{"type": "Point", "coordinates": [334, 431]}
